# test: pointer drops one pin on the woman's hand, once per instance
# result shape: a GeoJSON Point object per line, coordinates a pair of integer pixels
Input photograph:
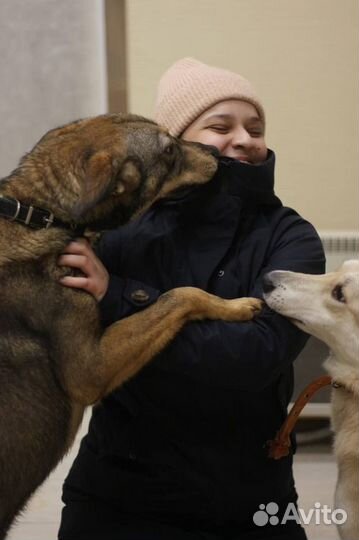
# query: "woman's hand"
{"type": "Point", "coordinates": [79, 254]}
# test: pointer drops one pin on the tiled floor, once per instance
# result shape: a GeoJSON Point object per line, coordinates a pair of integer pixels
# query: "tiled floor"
{"type": "Point", "coordinates": [315, 473]}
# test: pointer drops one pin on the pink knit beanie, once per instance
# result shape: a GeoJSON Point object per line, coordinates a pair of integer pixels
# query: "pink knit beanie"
{"type": "Point", "coordinates": [189, 87]}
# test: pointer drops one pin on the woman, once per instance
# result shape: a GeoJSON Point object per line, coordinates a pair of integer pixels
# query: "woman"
{"type": "Point", "coordinates": [180, 451]}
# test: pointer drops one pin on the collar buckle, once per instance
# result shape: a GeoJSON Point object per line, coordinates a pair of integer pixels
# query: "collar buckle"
{"type": "Point", "coordinates": [17, 211]}
{"type": "Point", "coordinates": [49, 220]}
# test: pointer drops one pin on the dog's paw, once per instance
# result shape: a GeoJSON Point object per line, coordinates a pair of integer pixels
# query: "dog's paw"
{"type": "Point", "coordinates": [244, 309]}
{"type": "Point", "coordinates": [256, 305]}
{"type": "Point", "coordinates": [252, 306]}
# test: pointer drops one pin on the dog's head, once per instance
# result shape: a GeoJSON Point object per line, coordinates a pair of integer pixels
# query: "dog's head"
{"type": "Point", "coordinates": [103, 170]}
{"type": "Point", "coordinates": [326, 306]}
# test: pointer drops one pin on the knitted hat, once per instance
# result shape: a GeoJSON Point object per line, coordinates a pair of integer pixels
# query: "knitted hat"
{"type": "Point", "coordinates": [189, 87]}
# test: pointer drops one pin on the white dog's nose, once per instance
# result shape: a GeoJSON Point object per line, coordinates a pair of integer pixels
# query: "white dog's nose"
{"type": "Point", "coordinates": [268, 284]}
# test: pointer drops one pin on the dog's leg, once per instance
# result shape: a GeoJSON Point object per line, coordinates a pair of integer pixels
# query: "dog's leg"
{"type": "Point", "coordinates": [130, 343]}
{"type": "Point", "coordinates": [155, 328]}
{"type": "Point", "coordinates": [345, 422]}
{"type": "Point", "coordinates": [347, 497]}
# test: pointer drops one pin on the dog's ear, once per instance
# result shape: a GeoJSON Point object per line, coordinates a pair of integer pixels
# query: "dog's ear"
{"type": "Point", "coordinates": [351, 265]}
{"type": "Point", "coordinates": [98, 176]}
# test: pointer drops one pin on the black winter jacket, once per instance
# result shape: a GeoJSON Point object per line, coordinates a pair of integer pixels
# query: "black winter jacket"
{"type": "Point", "coordinates": [185, 440]}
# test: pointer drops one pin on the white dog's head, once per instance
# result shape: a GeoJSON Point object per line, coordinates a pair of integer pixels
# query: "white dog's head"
{"type": "Point", "coordinates": [325, 306]}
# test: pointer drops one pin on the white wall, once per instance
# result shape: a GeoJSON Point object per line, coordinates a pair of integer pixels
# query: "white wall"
{"type": "Point", "coordinates": [52, 69]}
{"type": "Point", "coordinates": [301, 55]}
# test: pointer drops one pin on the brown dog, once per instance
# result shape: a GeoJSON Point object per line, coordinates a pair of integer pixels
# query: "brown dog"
{"type": "Point", "coordinates": [54, 357]}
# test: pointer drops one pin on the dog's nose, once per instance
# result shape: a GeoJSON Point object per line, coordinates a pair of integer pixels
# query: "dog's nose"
{"type": "Point", "coordinates": [209, 148]}
{"type": "Point", "coordinates": [268, 285]}
{"type": "Point", "coordinates": [213, 150]}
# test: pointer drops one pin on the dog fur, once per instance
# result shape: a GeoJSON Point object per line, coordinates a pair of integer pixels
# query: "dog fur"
{"type": "Point", "coordinates": [327, 306]}
{"type": "Point", "coordinates": [54, 356]}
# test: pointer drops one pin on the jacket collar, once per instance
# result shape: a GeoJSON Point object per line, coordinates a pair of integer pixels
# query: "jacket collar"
{"type": "Point", "coordinates": [252, 184]}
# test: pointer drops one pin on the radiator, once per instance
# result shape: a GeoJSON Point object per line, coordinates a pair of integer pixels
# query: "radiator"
{"type": "Point", "coordinates": [338, 246]}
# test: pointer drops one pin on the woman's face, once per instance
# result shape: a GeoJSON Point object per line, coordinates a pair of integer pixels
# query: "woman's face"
{"type": "Point", "coordinates": [234, 127]}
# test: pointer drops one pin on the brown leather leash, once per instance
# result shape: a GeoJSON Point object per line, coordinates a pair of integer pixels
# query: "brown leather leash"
{"type": "Point", "coordinates": [280, 446]}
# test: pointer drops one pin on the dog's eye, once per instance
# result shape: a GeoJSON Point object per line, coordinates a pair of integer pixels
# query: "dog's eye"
{"type": "Point", "coordinates": [169, 149]}
{"type": "Point", "coordinates": [337, 294]}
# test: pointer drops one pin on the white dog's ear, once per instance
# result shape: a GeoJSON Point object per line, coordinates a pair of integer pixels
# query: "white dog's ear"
{"type": "Point", "coordinates": [351, 265]}
{"type": "Point", "coordinates": [350, 269]}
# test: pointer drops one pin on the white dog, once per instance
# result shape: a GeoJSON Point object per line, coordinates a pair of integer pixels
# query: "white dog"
{"type": "Point", "coordinates": [327, 306]}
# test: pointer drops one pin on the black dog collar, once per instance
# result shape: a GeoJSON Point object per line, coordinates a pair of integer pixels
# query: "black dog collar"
{"type": "Point", "coordinates": [36, 218]}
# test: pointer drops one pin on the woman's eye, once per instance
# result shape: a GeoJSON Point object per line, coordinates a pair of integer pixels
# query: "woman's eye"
{"type": "Point", "coordinates": [338, 294]}
{"type": "Point", "coordinates": [255, 131]}
{"type": "Point", "coordinates": [219, 128]}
